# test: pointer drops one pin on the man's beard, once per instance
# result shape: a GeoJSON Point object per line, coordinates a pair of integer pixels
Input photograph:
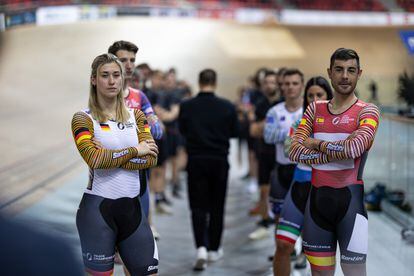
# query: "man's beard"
{"type": "Point", "coordinates": [347, 92]}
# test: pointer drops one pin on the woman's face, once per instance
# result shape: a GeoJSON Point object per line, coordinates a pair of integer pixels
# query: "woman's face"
{"type": "Point", "coordinates": [316, 93]}
{"type": "Point", "coordinates": [108, 80]}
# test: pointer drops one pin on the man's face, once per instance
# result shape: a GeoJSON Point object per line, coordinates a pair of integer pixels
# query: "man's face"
{"type": "Point", "coordinates": [128, 60]}
{"type": "Point", "coordinates": [293, 86]}
{"type": "Point", "coordinates": [270, 85]}
{"type": "Point", "coordinates": [171, 81]}
{"type": "Point", "coordinates": [344, 75]}
{"type": "Point", "coordinates": [157, 81]}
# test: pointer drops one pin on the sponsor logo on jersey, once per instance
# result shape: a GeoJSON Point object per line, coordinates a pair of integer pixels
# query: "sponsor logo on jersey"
{"type": "Point", "coordinates": [152, 267]}
{"type": "Point", "coordinates": [320, 120]}
{"type": "Point", "coordinates": [336, 120]}
{"type": "Point", "coordinates": [119, 154]}
{"type": "Point", "coordinates": [98, 257]}
{"type": "Point", "coordinates": [105, 127]}
{"type": "Point", "coordinates": [352, 259]}
{"type": "Point", "coordinates": [335, 147]}
{"type": "Point", "coordinates": [342, 120]}
{"type": "Point", "coordinates": [346, 119]}
{"type": "Point", "coordinates": [309, 156]}
{"type": "Point", "coordinates": [138, 161]}
{"type": "Point", "coordinates": [368, 122]}
{"type": "Point", "coordinates": [122, 126]}
{"type": "Point", "coordinates": [132, 103]}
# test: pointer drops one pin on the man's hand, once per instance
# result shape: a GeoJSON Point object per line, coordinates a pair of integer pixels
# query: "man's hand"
{"type": "Point", "coordinates": [353, 134]}
{"type": "Point", "coordinates": [312, 143]}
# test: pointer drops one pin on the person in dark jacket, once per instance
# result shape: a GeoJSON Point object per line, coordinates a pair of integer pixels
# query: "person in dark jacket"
{"type": "Point", "coordinates": [207, 122]}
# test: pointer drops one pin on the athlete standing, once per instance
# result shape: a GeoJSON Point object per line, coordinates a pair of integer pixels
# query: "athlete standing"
{"type": "Point", "coordinates": [110, 214]}
{"type": "Point", "coordinates": [291, 217]}
{"type": "Point", "coordinates": [265, 153]}
{"type": "Point", "coordinates": [279, 120]}
{"type": "Point", "coordinates": [126, 52]}
{"type": "Point", "coordinates": [343, 130]}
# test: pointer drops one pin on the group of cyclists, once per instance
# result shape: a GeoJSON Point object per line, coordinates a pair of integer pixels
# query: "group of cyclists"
{"type": "Point", "coordinates": [307, 143]}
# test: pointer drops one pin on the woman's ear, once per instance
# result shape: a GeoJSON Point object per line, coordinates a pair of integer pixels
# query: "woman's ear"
{"type": "Point", "coordinates": [93, 81]}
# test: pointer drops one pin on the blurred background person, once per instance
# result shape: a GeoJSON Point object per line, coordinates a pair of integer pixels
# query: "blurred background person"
{"type": "Point", "coordinates": [207, 137]}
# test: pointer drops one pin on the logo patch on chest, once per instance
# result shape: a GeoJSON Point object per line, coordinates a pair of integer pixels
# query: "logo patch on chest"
{"type": "Point", "coordinates": [342, 120]}
{"type": "Point", "coordinates": [122, 126]}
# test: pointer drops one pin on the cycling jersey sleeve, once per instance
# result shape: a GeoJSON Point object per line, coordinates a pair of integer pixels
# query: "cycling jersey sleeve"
{"type": "Point", "coordinates": [144, 134]}
{"type": "Point", "coordinates": [146, 106]}
{"type": "Point", "coordinates": [298, 152]}
{"type": "Point", "coordinates": [155, 126]}
{"type": "Point", "coordinates": [360, 142]}
{"type": "Point", "coordinates": [154, 122]}
{"type": "Point", "coordinates": [272, 133]}
{"type": "Point", "coordinates": [82, 130]}
{"type": "Point", "coordinates": [288, 141]}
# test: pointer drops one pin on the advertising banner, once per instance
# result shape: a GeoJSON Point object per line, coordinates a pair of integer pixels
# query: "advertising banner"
{"type": "Point", "coordinates": [407, 38]}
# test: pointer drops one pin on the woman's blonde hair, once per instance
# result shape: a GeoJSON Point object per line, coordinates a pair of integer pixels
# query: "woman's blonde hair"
{"type": "Point", "coordinates": [122, 114]}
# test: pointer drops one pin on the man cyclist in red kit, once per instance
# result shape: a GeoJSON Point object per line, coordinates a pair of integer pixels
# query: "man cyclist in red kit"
{"type": "Point", "coordinates": [343, 129]}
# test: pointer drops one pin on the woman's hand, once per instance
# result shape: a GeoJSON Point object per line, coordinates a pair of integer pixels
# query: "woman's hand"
{"type": "Point", "coordinates": [147, 147]}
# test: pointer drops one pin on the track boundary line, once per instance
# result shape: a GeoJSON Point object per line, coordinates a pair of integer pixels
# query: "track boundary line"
{"type": "Point", "coordinates": [41, 184]}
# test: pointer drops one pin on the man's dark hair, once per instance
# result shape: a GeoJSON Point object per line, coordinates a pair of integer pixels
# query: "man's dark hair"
{"type": "Point", "coordinates": [294, 71]}
{"type": "Point", "coordinates": [207, 77]}
{"type": "Point", "coordinates": [122, 45]}
{"type": "Point", "coordinates": [281, 71]}
{"type": "Point", "coordinates": [259, 76]}
{"type": "Point", "coordinates": [270, 73]}
{"type": "Point", "coordinates": [344, 54]}
{"type": "Point", "coordinates": [144, 66]}
{"type": "Point", "coordinates": [172, 71]}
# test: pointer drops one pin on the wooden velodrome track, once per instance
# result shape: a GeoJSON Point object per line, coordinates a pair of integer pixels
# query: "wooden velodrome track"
{"type": "Point", "coordinates": [44, 75]}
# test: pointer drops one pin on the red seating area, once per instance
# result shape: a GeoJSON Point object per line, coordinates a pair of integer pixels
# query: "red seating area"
{"type": "Point", "coordinates": [407, 5]}
{"type": "Point", "coordinates": [264, 4]}
{"type": "Point", "coordinates": [17, 4]}
{"type": "Point", "coordinates": [348, 5]}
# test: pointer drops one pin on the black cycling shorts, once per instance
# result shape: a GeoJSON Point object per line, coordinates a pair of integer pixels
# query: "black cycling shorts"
{"type": "Point", "coordinates": [105, 224]}
{"type": "Point", "coordinates": [281, 179]}
{"type": "Point", "coordinates": [335, 215]}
